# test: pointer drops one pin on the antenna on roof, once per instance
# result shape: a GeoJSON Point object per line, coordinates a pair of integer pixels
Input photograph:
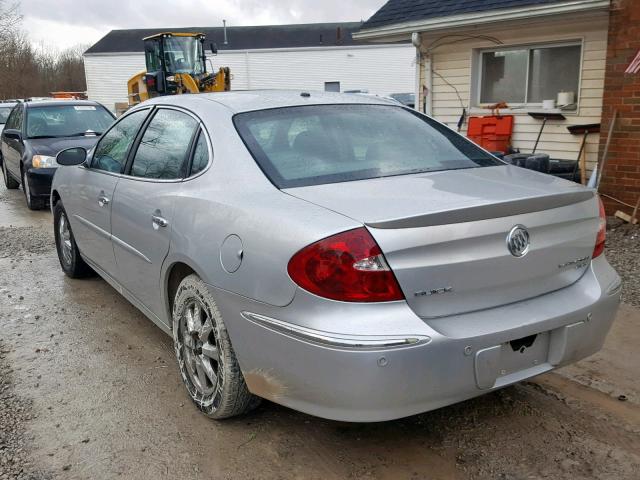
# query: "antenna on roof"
{"type": "Point", "coordinates": [224, 26]}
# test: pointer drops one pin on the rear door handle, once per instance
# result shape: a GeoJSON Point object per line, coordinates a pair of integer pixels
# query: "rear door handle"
{"type": "Point", "coordinates": [103, 200]}
{"type": "Point", "coordinates": [158, 221]}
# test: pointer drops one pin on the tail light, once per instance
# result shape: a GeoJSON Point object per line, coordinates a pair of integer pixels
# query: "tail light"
{"type": "Point", "coordinates": [150, 81]}
{"type": "Point", "coordinates": [602, 232]}
{"type": "Point", "coordinates": [348, 267]}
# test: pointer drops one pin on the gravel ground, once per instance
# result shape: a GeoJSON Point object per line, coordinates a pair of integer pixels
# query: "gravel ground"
{"type": "Point", "coordinates": [24, 240]}
{"type": "Point", "coordinates": [15, 444]}
{"type": "Point", "coordinates": [89, 389]}
{"type": "Point", "coordinates": [623, 252]}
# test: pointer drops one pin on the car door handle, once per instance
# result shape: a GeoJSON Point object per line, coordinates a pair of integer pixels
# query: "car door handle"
{"type": "Point", "coordinates": [159, 221]}
{"type": "Point", "coordinates": [103, 200]}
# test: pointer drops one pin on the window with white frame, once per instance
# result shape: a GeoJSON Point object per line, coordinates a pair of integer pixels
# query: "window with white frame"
{"type": "Point", "coordinates": [528, 75]}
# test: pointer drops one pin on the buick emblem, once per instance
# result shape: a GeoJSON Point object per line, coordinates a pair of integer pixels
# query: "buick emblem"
{"type": "Point", "coordinates": [518, 241]}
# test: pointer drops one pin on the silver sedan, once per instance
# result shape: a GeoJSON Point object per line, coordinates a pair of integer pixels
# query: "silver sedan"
{"type": "Point", "coordinates": [342, 255]}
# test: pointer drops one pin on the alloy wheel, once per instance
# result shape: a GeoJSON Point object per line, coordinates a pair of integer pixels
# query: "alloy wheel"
{"type": "Point", "coordinates": [64, 237]}
{"type": "Point", "coordinates": [200, 349]}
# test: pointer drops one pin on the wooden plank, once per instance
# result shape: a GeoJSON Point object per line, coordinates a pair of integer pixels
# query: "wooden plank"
{"type": "Point", "coordinates": [627, 218]}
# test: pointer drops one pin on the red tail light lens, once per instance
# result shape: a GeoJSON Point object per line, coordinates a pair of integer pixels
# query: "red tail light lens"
{"type": "Point", "coordinates": [348, 267]}
{"type": "Point", "coordinates": [602, 232]}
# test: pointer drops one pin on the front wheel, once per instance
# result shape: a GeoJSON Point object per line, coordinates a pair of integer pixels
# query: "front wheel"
{"type": "Point", "coordinates": [68, 254]}
{"type": "Point", "coordinates": [34, 203]}
{"type": "Point", "coordinates": [207, 362]}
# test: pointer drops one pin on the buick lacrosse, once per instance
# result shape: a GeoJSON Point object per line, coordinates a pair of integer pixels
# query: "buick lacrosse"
{"type": "Point", "coordinates": [342, 255]}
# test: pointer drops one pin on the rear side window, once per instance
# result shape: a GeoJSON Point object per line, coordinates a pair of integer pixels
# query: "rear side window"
{"type": "Point", "coordinates": [164, 147]}
{"type": "Point", "coordinates": [111, 152]}
{"type": "Point", "coordinates": [316, 144]}
{"type": "Point", "coordinates": [200, 154]}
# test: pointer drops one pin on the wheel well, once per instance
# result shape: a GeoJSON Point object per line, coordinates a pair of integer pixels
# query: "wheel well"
{"type": "Point", "coordinates": [179, 272]}
{"type": "Point", "coordinates": [55, 196]}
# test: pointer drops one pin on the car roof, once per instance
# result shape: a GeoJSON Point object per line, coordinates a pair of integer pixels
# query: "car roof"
{"type": "Point", "coordinates": [56, 103]}
{"type": "Point", "coordinates": [8, 104]}
{"type": "Point", "coordinates": [250, 100]}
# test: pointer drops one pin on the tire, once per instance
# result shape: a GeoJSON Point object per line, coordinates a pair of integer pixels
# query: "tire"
{"type": "Point", "coordinates": [34, 203]}
{"type": "Point", "coordinates": [9, 181]}
{"type": "Point", "coordinates": [207, 363]}
{"type": "Point", "coordinates": [68, 254]}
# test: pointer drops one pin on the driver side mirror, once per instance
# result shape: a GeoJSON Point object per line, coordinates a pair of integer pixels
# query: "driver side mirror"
{"type": "Point", "coordinates": [72, 156]}
{"type": "Point", "coordinates": [12, 134]}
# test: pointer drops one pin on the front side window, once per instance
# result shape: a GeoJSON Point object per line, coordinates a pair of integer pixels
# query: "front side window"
{"type": "Point", "coordinates": [529, 75]}
{"type": "Point", "coordinates": [111, 152]}
{"type": "Point", "coordinates": [55, 121]}
{"type": "Point", "coordinates": [316, 144]}
{"type": "Point", "coordinates": [183, 55]}
{"type": "Point", "coordinates": [12, 120]}
{"type": "Point", "coordinates": [164, 147]}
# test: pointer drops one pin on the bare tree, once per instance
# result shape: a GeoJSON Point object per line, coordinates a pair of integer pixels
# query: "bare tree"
{"type": "Point", "coordinates": [28, 71]}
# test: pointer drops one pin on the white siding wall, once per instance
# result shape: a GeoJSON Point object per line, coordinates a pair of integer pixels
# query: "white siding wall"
{"type": "Point", "coordinates": [380, 69]}
{"type": "Point", "coordinates": [452, 65]}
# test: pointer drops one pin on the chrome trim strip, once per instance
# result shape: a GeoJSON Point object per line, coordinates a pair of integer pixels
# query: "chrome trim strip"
{"type": "Point", "coordinates": [92, 226]}
{"type": "Point", "coordinates": [130, 249]}
{"type": "Point", "coordinates": [614, 287]}
{"type": "Point", "coordinates": [343, 342]}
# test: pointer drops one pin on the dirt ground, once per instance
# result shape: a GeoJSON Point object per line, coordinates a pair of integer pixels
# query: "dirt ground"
{"type": "Point", "coordinates": [89, 389]}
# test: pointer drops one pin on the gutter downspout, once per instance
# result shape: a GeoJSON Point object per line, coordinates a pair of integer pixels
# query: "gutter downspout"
{"type": "Point", "coordinates": [423, 76]}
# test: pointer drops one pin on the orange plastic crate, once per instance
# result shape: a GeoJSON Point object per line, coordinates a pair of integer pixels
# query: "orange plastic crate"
{"type": "Point", "coordinates": [491, 132]}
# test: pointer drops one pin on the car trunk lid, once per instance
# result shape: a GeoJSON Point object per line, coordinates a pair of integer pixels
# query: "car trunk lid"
{"type": "Point", "coordinates": [444, 234]}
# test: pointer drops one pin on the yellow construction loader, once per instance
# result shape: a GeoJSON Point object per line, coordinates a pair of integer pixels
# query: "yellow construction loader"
{"type": "Point", "coordinates": [176, 64]}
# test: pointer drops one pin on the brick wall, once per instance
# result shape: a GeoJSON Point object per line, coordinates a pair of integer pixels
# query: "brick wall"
{"type": "Point", "coordinates": [621, 176]}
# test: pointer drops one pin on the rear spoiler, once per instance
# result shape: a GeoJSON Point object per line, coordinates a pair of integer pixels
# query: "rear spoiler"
{"type": "Point", "coordinates": [483, 212]}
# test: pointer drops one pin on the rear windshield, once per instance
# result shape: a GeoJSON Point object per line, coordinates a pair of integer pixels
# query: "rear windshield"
{"type": "Point", "coordinates": [67, 120]}
{"type": "Point", "coordinates": [317, 144]}
{"type": "Point", "coordinates": [4, 114]}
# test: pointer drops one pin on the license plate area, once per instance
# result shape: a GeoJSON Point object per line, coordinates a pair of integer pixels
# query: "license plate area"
{"type": "Point", "coordinates": [511, 361]}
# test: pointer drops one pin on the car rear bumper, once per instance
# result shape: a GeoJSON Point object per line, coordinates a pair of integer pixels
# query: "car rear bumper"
{"type": "Point", "coordinates": [359, 362]}
{"type": "Point", "coordinates": [40, 181]}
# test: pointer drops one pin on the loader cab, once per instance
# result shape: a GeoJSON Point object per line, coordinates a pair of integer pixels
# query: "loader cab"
{"type": "Point", "coordinates": [171, 54]}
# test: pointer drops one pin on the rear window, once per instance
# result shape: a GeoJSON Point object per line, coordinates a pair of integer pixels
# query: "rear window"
{"type": "Point", "coordinates": [317, 144]}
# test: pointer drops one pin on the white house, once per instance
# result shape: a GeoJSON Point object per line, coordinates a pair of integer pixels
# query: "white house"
{"type": "Point", "coordinates": [308, 56]}
{"type": "Point", "coordinates": [522, 52]}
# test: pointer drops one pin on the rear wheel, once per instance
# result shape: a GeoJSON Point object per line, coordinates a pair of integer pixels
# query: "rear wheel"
{"type": "Point", "coordinates": [70, 260]}
{"type": "Point", "coordinates": [9, 181]}
{"type": "Point", "coordinates": [207, 362]}
{"type": "Point", "coordinates": [34, 203]}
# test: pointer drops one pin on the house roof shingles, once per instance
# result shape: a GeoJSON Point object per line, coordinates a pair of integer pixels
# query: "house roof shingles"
{"type": "Point", "coordinates": [239, 38]}
{"type": "Point", "coordinates": [402, 11]}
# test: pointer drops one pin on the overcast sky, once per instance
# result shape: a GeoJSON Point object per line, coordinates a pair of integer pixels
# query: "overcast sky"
{"type": "Point", "coordinates": [65, 23]}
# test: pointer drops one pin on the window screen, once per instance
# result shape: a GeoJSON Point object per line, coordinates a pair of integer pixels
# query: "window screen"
{"type": "Point", "coordinates": [164, 146]}
{"type": "Point", "coordinates": [529, 74]}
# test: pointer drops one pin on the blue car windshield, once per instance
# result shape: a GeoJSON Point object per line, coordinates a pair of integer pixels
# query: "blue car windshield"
{"type": "Point", "coordinates": [317, 144]}
{"type": "Point", "coordinates": [52, 121]}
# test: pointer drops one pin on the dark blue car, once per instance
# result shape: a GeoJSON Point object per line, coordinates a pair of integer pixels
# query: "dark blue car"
{"type": "Point", "coordinates": [36, 131]}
